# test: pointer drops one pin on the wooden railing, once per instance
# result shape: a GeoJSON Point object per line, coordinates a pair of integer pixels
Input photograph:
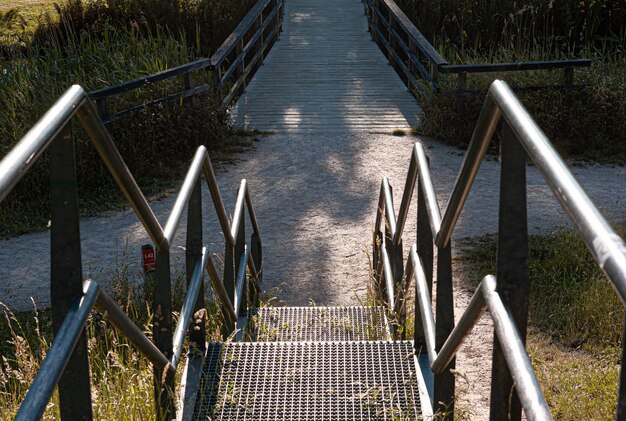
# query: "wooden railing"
{"type": "Point", "coordinates": [420, 65]}
{"type": "Point", "coordinates": [226, 72]}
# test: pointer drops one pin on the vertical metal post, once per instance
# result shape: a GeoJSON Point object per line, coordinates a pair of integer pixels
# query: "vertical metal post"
{"type": "Point", "coordinates": [425, 252]}
{"type": "Point", "coordinates": [256, 250]}
{"type": "Point", "coordinates": [66, 274]}
{"type": "Point", "coordinates": [569, 76]}
{"type": "Point", "coordinates": [240, 244]}
{"type": "Point", "coordinates": [444, 382]}
{"type": "Point", "coordinates": [621, 400]}
{"type": "Point", "coordinates": [188, 83]}
{"type": "Point", "coordinates": [512, 268]}
{"type": "Point", "coordinates": [102, 105]}
{"type": "Point", "coordinates": [162, 333]}
{"type": "Point", "coordinates": [460, 89]}
{"type": "Point", "coordinates": [229, 285]}
{"type": "Point", "coordinates": [193, 253]}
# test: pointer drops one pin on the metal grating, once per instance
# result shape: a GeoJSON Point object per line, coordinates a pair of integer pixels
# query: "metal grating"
{"type": "Point", "coordinates": [290, 324]}
{"type": "Point", "coordinates": [309, 380]}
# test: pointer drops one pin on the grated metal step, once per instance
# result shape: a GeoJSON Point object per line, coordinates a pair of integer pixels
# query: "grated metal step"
{"type": "Point", "coordinates": [311, 380]}
{"type": "Point", "coordinates": [289, 324]}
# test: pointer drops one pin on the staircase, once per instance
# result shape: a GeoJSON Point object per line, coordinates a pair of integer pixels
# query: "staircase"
{"type": "Point", "coordinates": [335, 363]}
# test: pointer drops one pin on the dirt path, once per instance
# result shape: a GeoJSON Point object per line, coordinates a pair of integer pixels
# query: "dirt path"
{"type": "Point", "coordinates": [315, 197]}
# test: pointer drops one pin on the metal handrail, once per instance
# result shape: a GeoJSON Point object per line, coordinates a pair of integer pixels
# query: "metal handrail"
{"type": "Point", "coordinates": [485, 297]}
{"type": "Point", "coordinates": [606, 246]}
{"type": "Point", "coordinates": [18, 161]}
{"type": "Point", "coordinates": [58, 356]}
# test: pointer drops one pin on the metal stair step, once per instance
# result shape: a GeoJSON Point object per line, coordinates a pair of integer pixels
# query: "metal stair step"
{"type": "Point", "coordinates": [288, 324]}
{"type": "Point", "coordinates": [311, 380]}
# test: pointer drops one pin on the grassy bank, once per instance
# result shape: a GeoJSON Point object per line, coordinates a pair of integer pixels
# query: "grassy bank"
{"type": "Point", "coordinates": [575, 323]}
{"type": "Point", "coordinates": [584, 123]}
{"type": "Point", "coordinates": [115, 365]}
{"type": "Point", "coordinates": [98, 44]}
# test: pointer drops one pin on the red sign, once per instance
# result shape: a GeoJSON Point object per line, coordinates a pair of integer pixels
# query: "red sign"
{"type": "Point", "coordinates": [148, 258]}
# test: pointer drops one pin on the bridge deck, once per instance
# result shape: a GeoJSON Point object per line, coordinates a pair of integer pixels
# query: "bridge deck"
{"type": "Point", "coordinates": [326, 74]}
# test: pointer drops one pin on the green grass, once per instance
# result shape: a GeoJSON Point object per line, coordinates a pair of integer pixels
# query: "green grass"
{"type": "Point", "coordinates": [575, 322]}
{"type": "Point", "coordinates": [98, 44]}
{"type": "Point", "coordinates": [584, 123]}
{"type": "Point", "coordinates": [20, 18]}
{"type": "Point", "coordinates": [115, 365]}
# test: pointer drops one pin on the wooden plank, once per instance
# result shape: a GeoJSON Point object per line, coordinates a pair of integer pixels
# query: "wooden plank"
{"type": "Point", "coordinates": [326, 74]}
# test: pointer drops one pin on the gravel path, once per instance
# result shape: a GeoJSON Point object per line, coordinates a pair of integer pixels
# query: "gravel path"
{"type": "Point", "coordinates": [315, 197]}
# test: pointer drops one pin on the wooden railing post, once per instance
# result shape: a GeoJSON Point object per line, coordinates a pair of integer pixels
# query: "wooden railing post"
{"type": "Point", "coordinates": [512, 268]}
{"type": "Point", "coordinates": [66, 274]}
{"type": "Point", "coordinates": [162, 333]}
{"type": "Point", "coordinates": [193, 253]}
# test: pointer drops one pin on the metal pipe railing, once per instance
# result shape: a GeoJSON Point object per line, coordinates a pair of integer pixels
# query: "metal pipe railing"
{"type": "Point", "coordinates": [21, 158]}
{"type": "Point", "coordinates": [485, 128]}
{"type": "Point", "coordinates": [186, 312]}
{"type": "Point", "coordinates": [23, 155]}
{"type": "Point", "coordinates": [109, 153]}
{"type": "Point", "coordinates": [238, 212]}
{"type": "Point", "coordinates": [58, 356]}
{"type": "Point", "coordinates": [218, 285]}
{"type": "Point", "coordinates": [240, 282]}
{"type": "Point", "coordinates": [409, 186]}
{"type": "Point", "coordinates": [424, 303]}
{"type": "Point", "coordinates": [526, 383]}
{"type": "Point", "coordinates": [390, 217]}
{"type": "Point", "coordinates": [116, 316]}
{"type": "Point", "coordinates": [607, 248]}
{"type": "Point", "coordinates": [194, 171]}
{"type": "Point", "coordinates": [486, 296]}
{"type": "Point", "coordinates": [218, 203]}
{"type": "Point", "coordinates": [432, 207]}
{"type": "Point", "coordinates": [605, 245]}
{"type": "Point", "coordinates": [252, 215]}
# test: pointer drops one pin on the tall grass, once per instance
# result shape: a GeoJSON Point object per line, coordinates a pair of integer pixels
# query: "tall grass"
{"type": "Point", "coordinates": [555, 27]}
{"type": "Point", "coordinates": [102, 43]}
{"type": "Point", "coordinates": [575, 325]}
{"type": "Point", "coordinates": [584, 123]}
{"type": "Point", "coordinates": [121, 377]}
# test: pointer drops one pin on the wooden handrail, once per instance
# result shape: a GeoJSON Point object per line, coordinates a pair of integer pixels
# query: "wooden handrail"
{"type": "Point", "coordinates": [265, 16]}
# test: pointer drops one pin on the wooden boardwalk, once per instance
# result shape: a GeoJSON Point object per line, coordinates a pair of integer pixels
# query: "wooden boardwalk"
{"type": "Point", "coordinates": [326, 75]}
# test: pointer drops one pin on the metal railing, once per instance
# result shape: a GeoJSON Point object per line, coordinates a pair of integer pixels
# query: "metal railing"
{"type": "Point", "coordinates": [419, 64]}
{"type": "Point", "coordinates": [229, 69]}
{"type": "Point", "coordinates": [506, 295]}
{"type": "Point", "coordinates": [66, 363]}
